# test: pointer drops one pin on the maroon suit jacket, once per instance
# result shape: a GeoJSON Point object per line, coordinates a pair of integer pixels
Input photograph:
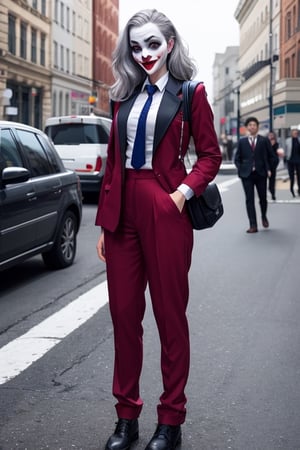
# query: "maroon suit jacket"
{"type": "Point", "coordinates": [167, 165]}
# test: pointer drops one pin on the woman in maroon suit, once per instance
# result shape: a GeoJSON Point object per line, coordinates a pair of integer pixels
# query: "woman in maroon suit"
{"type": "Point", "coordinates": [146, 235]}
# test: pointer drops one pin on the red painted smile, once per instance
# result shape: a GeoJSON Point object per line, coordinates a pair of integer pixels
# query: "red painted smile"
{"type": "Point", "coordinates": [149, 64]}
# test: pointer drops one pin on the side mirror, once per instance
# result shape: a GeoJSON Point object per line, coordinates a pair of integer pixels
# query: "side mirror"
{"type": "Point", "coordinates": [11, 175]}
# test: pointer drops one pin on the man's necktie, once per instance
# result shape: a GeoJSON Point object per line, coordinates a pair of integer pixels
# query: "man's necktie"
{"type": "Point", "coordinates": [138, 152]}
{"type": "Point", "coordinates": [252, 143]}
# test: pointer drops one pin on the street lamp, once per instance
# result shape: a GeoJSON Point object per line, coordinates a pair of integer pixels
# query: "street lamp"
{"type": "Point", "coordinates": [271, 69]}
{"type": "Point", "coordinates": [238, 113]}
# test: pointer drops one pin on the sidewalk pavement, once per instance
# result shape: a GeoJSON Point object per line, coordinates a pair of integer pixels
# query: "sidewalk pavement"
{"type": "Point", "coordinates": [283, 194]}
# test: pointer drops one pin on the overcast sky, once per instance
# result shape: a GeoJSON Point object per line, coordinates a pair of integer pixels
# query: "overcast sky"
{"type": "Point", "coordinates": [207, 27]}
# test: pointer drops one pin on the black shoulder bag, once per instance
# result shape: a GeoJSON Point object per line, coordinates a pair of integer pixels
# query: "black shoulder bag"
{"type": "Point", "coordinates": [205, 210]}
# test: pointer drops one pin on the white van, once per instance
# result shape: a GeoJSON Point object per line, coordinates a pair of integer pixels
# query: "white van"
{"type": "Point", "coordinates": [81, 142]}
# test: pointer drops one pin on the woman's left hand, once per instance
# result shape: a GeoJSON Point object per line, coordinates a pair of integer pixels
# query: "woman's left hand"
{"type": "Point", "coordinates": [179, 199]}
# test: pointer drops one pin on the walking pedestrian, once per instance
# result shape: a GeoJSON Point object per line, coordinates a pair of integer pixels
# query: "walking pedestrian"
{"type": "Point", "coordinates": [146, 234]}
{"type": "Point", "coordinates": [274, 164]}
{"type": "Point", "coordinates": [254, 159]}
{"type": "Point", "coordinates": [292, 155]}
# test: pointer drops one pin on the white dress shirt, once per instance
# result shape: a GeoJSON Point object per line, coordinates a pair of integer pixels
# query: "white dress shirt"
{"type": "Point", "coordinates": [150, 127]}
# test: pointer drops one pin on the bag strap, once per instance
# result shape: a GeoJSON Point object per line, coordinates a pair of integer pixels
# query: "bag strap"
{"type": "Point", "coordinates": [188, 89]}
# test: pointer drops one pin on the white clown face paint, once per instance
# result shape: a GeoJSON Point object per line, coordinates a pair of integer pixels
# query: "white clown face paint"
{"type": "Point", "coordinates": [150, 49]}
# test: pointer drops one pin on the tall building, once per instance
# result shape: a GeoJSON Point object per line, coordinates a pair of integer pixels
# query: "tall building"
{"type": "Point", "coordinates": [225, 72]}
{"type": "Point", "coordinates": [105, 34]}
{"type": "Point", "coordinates": [55, 57]}
{"type": "Point", "coordinates": [269, 62]}
{"type": "Point", "coordinates": [256, 60]}
{"type": "Point", "coordinates": [287, 90]}
{"type": "Point", "coordinates": [25, 75]}
{"type": "Point", "coordinates": [71, 62]}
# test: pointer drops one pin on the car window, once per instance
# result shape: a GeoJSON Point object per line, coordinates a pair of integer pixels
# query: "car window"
{"type": "Point", "coordinates": [78, 133]}
{"type": "Point", "coordinates": [52, 154]}
{"type": "Point", "coordinates": [37, 158]}
{"type": "Point", "coordinates": [9, 153]}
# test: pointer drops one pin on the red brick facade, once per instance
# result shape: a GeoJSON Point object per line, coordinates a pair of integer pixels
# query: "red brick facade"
{"type": "Point", "coordinates": [290, 39]}
{"type": "Point", "coordinates": [105, 34]}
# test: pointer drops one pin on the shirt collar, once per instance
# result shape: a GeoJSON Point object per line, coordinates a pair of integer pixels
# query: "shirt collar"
{"type": "Point", "coordinates": [161, 83]}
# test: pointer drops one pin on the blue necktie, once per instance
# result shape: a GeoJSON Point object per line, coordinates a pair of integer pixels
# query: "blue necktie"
{"type": "Point", "coordinates": [138, 152]}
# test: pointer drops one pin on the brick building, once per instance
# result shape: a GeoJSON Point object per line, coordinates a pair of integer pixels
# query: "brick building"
{"type": "Point", "coordinates": [54, 56]}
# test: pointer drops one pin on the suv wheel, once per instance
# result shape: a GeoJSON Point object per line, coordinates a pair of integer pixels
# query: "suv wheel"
{"type": "Point", "coordinates": [63, 251]}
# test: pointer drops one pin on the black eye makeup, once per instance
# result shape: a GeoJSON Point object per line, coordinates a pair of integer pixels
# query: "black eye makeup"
{"type": "Point", "coordinates": [151, 44]}
{"type": "Point", "coordinates": [154, 45]}
{"type": "Point", "coordinates": [135, 48]}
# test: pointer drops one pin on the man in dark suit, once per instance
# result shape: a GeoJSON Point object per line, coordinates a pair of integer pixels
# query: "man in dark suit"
{"type": "Point", "coordinates": [253, 160]}
{"type": "Point", "coordinates": [292, 154]}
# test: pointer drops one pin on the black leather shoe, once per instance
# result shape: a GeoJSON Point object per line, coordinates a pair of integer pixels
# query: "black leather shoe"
{"type": "Point", "coordinates": [252, 230]}
{"type": "Point", "coordinates": [126, 432]}
{"type": "Point", "coordinates": [166, 437]}
{"type": "Point", "coordinates": [265, 222]}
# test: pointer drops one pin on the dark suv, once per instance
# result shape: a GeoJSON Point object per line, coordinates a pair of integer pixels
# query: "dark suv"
{"type": "Point", "coordinates": [40, 200]}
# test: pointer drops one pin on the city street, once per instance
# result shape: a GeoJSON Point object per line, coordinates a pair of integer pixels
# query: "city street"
{"type": "Point", "coordinates": [244, 311]}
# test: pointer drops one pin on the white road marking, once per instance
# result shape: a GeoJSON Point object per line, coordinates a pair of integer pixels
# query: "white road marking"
{"type": "Point", "coordinates": [20, 353]}
{"type": "Point", "coordinates": [225, 184]}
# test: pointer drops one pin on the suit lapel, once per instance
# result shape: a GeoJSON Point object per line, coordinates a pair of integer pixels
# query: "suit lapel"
{"type": "Point", "coordinates": [168, 108]}
{"type": "Point", "coordinates": [123, 113]}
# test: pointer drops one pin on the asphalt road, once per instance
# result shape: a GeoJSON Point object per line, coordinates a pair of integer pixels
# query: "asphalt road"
{"type": "Point", "coordinates": [244, 311]}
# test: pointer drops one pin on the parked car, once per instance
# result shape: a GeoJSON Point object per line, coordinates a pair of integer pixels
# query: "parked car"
{"type": "Point", "coordinates": [81, 142]}
{"type": "Point", "coordinates": [40, 200]}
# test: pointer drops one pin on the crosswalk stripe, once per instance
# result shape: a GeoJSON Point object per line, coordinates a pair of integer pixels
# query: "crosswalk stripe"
{"type": "Point", "coordinates": [20, 353]}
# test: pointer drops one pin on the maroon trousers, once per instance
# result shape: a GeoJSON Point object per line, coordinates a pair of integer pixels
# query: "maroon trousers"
{"type": "Point", "coordinates": [153, 245]}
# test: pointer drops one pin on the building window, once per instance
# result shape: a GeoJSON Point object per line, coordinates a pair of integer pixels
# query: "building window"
{"type": "Point", "coordinates": [74, 23]}
{"type": "Point", "coordinates": [56, 11]}
{"type": "Point", "coordinates": [80, 65]}
{"type": "Point", "coordinates": [43, 7]}
{"type": "Point", "coordinates": [293, 68]}
{"type": "Point", "coordinates": [86, 66]}
{"type": "Point", "coordinates": [33, 45]}
{"type": "Point", "coordinates": [23, 40]}
{"type": "Point", "coordinates": [54, 101]}
{"type": "Point", "coordinates": [60, 104]}
{"type": "Point", "coordinates": [11, 34]}
{"type": "Point", "coordinates": [67, 102]}
{"type": "Point", "coordinates": [73, 63]}
{"type": "Point", "coordinates": [43, 48]}
{"type": "Point", "coordinates": [68, 18]}
{"type": "Point", "coordinates": [62, 15]}
{"type": "Point", "coordinates": [287, 69]}
{"type": "Point", "coordinates": [34, 4]}
{"type": "Point", "coordinates": [55, 54]}
{"type": "Point", "coordinates": [68, 60]}
{"type": "Point", "coordinates": [62, 51]}
{"type": "Point", "coordinates": [288, 25]}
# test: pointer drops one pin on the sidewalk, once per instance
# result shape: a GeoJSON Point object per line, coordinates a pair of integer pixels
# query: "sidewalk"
{"type": "Point", "coordinates": [283, 194]}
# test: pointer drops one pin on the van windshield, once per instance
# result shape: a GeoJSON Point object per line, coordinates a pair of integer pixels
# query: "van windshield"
{"type": "Point", "coordinates": [78, 133]}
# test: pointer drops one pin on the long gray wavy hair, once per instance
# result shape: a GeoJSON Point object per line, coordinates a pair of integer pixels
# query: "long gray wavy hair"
{"type": "Point", "coordinates": [128, 74]}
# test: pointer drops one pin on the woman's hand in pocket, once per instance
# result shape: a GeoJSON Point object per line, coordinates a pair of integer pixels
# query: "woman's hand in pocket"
{"type": "Point", "coordinates": [179, 199]}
